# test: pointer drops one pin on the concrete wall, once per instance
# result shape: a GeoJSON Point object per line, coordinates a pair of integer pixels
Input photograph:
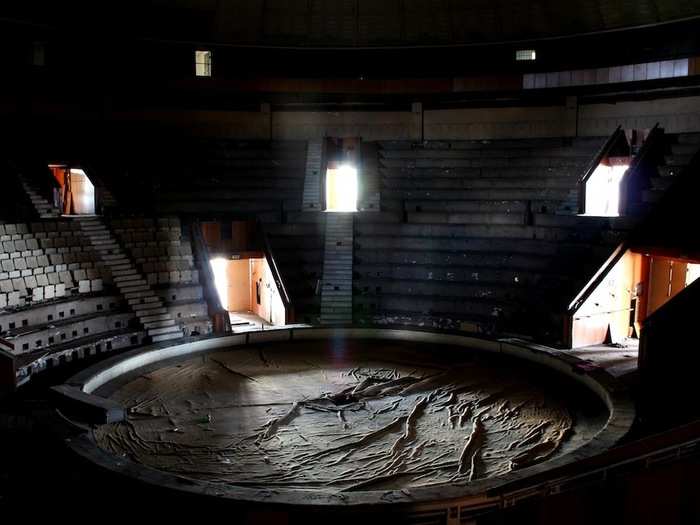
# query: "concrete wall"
{"type": "Point", "coordinates": [676, 115]}
{"type": "Point", "coordinates": [571, 118]}
{"type": "Point", "coordinates": [370, 125]}
{"type": "Point", "coordinates": [497, 123]}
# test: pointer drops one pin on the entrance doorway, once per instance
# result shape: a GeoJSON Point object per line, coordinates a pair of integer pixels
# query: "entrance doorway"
{"type": "Point", "coordinates": [603, 188]}
{"type": "Point", "coordinates": [247, 290]}
{"type": "Point", "coordinates": [341, 188]}
{"type": "Point", "coordinates": [76, 194]}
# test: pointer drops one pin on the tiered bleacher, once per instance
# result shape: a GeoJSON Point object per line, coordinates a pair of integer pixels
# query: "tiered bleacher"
{"type": "Point", "coordinates": [264, 178]}
{"type": "Point", "coordinates": [56, 301]}
{"type": "Point", "coordinates": [480, 235]}
{"type": "Point", "coordinates": [164, 257]}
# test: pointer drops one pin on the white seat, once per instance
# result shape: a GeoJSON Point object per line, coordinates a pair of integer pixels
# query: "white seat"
{"type": "Point", "coordinates": [13, 299]}
{"type": "Point", "coordinates": [38, 294]}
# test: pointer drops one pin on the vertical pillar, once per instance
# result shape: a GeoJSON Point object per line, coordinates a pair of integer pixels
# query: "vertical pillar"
{"type": "Point", "coordinates": [571, 117]}
{"type": "Point", "coordinates": [417, 111]}
{"type": "Point", "coordinates": [266, 111]}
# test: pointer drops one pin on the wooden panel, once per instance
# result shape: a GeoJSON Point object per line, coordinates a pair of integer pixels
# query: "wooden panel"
{"type": "Point", "coordinates": [211, 231]}
{"type": "Point", "coordinates": [238, 273]}
{"type": "Point", "coordinates": [659, 283]}
{"type": "Point", "coordinates": [607, 309]}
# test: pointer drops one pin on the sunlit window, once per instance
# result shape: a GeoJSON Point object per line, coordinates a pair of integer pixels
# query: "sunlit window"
{"type": "Point", "coordinates": [219, 267]}
{"type": "Point", "coordinates": [693, 273]}
{"type": "Point", "coordinates": [202, 63]}
{"type": "Point", "coordinates": [525, 54]}
{"type": "Point", "coordinates": [603, 190]}
{"type": "Point", "coordinates": [341, 188]}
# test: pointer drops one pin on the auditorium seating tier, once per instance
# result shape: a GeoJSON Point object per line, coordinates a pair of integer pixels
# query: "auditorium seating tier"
{"type": "Point", "coordinates": [481, 235]}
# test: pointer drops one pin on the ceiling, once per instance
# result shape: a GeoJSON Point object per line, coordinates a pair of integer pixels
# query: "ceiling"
{"type": "Point", "coordinates": [351, 23]}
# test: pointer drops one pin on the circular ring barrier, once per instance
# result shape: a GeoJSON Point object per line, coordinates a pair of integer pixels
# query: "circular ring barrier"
{"type": "Point", "coordinates": [82, 388]}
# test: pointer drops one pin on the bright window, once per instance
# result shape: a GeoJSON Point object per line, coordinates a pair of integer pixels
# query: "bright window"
{"type": "Point", "coordinates": [525, 54]}
{"type": "Point", "coordinates": [603, 190]}
{"type": "Point", "coordinates": [693, 273]}
{"type": "Point", "coordinates": [202, 63]}
{"type": "Point", "coordinates": [341, 188]}
{"type": "Point", "coordinates": [219, 267]}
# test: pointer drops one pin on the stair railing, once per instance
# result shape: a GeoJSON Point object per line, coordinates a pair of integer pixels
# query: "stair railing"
{"type": "Point", "coordinates": [219, 315]}
{"type": "Point", "coordinates": [644, 162]}
{"type": "Point", "coordinates": [604, 152]}
{"type": "Point", "coordinates": [276, 274]}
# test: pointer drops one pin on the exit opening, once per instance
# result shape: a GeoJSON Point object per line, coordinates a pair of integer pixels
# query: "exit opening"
{"type": "Point", "coordinates": [76, 193]}
{"type": "Point", "coordinates": [341, 188]}
{"type": "Point", "coordinates": [603, 189]}
{"type": "Point", "coordinates": [247, 290]}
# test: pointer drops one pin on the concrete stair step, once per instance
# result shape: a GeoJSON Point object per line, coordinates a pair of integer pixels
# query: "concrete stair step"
{"type": "Point", "coordinates": [145, 292]}
{"type": "Point", "coordinates": [141, 300]}
{"type": "Point", "coordinates": [131, 272]}
{"type": "Point", "coordinates": [162, 316]}
{"type": "Point", "coordinates": [163, 323]}
{"type": "Point", "coordinates": [148, 309]}
{"type": "Point", "coordinates": [164, 330]}
{"type": "Point", "coordinates": [130, 280]}
{"type": "Point", "coordinates": [166, 337]}
{"type": "Point", "coordinates": [140, 288]}
{"type": "Point", "coordinates": [120, 265]}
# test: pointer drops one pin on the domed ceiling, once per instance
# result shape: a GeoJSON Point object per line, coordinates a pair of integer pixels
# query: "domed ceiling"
{"type": "Point", "coordinates": [357, 23]}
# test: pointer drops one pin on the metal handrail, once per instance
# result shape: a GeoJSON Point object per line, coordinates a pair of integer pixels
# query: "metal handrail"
{"type": "Point", "coordinates": [646, 148]}
{"type": "Point", "coordinates": [216, 309]}
{"type": "Point", "coordinates": [597, 278]}
{"type": "Point", "coordinates": [677, 444]}
{"type": "Point", "coordinates": [602, 153]}
{"type": "Point", "coordinates": [274, 268]}
{"type": "Point", "coordinates": [620, 249]}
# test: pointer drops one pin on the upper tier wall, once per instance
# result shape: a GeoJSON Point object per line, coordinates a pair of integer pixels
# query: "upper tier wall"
{"type": "Point", "coordinates": [572, 118]}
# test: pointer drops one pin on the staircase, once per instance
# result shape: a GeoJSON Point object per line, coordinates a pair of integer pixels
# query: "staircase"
{"type": "Point", "coordinates": [312, 178]}
{"type": "Point", "coordinates": [143, 301]}
{"type": "Point", "coordinates": [43, 207]}
{"type": "Point", "coordinates": [336, 292]}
